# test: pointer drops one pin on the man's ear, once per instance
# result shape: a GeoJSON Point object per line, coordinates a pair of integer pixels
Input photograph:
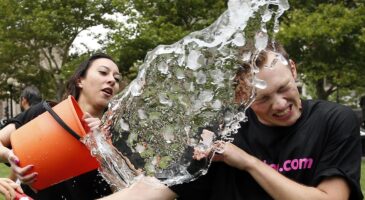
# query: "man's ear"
{"type": "Point", "coordinates": [293, 68]}
{"type": "Point", "coordinates": [24, 104]}
{"type": "Point", "coordinates": [22, 100]}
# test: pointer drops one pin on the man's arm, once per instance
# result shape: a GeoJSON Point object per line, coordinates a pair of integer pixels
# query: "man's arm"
{"type": "Point", "coordinates": [279, 186]}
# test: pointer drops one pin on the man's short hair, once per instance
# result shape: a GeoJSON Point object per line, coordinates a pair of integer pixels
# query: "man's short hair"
{"type": "Point", "coordinates": [32, 95]}
{"type": "Point", "coordinates": [272, 46]}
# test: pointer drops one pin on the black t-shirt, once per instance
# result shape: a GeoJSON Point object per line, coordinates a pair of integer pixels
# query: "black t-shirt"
{"type": "Point", "coordinates": [324, 142]}
{"type": "Point", "coordinates": [84, 187]}
{"type": "Point", "coordinates": [29, 114]}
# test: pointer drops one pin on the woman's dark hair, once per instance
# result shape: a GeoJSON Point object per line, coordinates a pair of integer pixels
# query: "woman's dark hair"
{"type": "Point", "coordinates": [71, 85]}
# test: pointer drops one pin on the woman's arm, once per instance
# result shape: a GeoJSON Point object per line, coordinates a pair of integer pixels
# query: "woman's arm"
{"type": "Point", "coordinates": [9, 188]}
{"type": "Point", "coordinates": [7, 156]}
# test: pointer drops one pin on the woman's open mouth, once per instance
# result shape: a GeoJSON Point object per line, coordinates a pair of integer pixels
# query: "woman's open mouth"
{"type": "Point", "coordinates": [107, 92]}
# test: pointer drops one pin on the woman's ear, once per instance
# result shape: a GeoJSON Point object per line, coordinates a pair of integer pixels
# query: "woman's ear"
{"type": "Point", "coordinates": [79, 83]}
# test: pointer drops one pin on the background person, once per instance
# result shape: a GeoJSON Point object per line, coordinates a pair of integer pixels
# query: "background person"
{"type": "Point", "coordinates": [288, 149]}
{"type": "Point", "coordinates": [30, 96]}
{"type": "Point", "coordinates": [93, 84]}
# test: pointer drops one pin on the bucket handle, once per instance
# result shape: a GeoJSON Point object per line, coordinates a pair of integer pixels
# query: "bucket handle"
{"type": "Point", "coordinates": [60, 121]}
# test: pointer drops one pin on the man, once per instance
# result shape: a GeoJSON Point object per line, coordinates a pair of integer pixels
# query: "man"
{"type": "Point", "coordinates": [29, 97]}
{"type": "Point", "coordinates": [289, 149]}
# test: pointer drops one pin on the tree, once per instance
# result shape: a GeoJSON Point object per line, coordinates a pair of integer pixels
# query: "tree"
{"type": "Point", "coordinates": [326, 38]}
{"type": "Point", "coordinates": [37, 35]}
{"type": "Point", "coordinates": [155, 22]}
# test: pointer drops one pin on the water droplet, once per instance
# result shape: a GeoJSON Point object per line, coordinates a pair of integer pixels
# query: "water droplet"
{"type": "Point", "coordinates": [228, 117]}
{"type": "Point", "coordinates": [163, 68]}
{"type": "Point", "coordinates": [201, 78]}
{"type": "Point", "coordinates": [180, 74]}
{"type": "Point", "coordinates": [142, 114]}
{"type": "Point", "coordinates": [246, 56]}
{"type": "Point", "coordinates": [236, 126]}
{"type": "Point", "coordinates": [136, 89]}
{"type": "Point", "coordinates": [124, 125]}
{"type": "Point", "coordinates": [197, 105]}
{"type": "Point", "coordinates": [140, 148]}
{"type": "Point", "coordinates": [261, 40]}
{"type": "Point", "coordinates": [206, 96]}
{"type": "Point", "coordinates": [276, 27]}
{"type": "Point", "coordinates": [258, 83]}
{"type": "Point", "coordinates": [94, 152]}
{"type": "Point", "coordinates": [267, 15]}
{"type": "Point", "coordinates": [241, 116]}
{"type": "Point", "coordinates": [164, 99]}
{"type": "Point", "coordinates": [217, 76]}
{"type": "Point", "coordinates": [217, 105]}
{"type": "Point", "coordinates": [283, 60]}
{"type": "Point", "coordinates": [183, 100]}
{"type": "Point", "coordinates": [239, 39]}
{"type": "Point", "coordinates": [284, 4]}
{"type": "Point", "coordinates": [194, 59]}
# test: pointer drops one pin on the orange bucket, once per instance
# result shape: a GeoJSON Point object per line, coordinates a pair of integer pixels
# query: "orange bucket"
{"type": "Point", "coordinates": [45, 143]}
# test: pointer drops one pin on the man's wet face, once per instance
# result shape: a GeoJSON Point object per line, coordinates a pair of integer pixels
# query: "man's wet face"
{"type": "Point", "coordinates": [279, 103]}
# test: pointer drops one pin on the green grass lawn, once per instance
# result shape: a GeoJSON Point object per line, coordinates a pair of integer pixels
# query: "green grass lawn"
{"type": "Point", "coordinates": [4, 172]}
{"type": "Point", "coordinates": [362, 179]}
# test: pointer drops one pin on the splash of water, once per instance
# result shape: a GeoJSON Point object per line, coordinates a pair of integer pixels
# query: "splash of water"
{"type": "Point", "coordinates": [181, 90]}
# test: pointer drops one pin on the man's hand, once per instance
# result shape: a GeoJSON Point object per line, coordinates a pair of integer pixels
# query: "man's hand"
{"type": "Point", "coordinates": [232, 155]}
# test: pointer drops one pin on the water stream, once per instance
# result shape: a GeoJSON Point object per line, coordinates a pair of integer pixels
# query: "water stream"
{"type": "Point", "coordinates": [186, 96]}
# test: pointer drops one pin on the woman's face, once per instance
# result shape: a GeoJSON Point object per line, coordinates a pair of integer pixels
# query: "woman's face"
{"type": "Point", "coordinates": [100, 84]}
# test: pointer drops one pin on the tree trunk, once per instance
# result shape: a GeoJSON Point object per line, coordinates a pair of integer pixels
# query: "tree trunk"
{"type": "Point", "coordinates": [60, 87]}
{"type": "Point", "coordinates": [320, 90]}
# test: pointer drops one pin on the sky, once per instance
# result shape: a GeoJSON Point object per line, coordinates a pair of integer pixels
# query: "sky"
{"type": "Point", "coordinates": [86, 39]}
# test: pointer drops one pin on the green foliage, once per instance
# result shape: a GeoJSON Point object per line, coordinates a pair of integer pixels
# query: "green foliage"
{"type": "Point", "coordinates": [159, 22]}
{"type": "Point", "coordinates": [327, 42]}
{"type": "Point", "coordinates": [325, 37]}
{"type": "Point", "coordinates": [36, 36]}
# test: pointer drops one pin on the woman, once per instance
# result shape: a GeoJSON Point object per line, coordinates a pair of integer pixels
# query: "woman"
{"type": "Point", "coordinates": [93, 84]}
{"type": "Point", "coordinates": [9, 188]}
